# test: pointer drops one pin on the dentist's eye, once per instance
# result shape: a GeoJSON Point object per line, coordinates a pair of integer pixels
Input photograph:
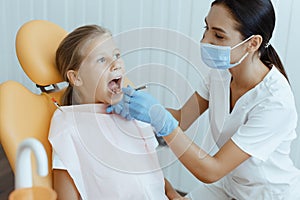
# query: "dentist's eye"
{"type": "Point", "coordinates": [101, 60]}
{"type": "Point", "coordinates": [219, 36]}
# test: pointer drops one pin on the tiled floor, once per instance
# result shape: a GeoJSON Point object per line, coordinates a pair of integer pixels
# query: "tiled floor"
{"type": "Point", "coordinates": [6, 176]}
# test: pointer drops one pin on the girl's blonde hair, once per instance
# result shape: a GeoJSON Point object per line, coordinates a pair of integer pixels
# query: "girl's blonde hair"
{"type": "Point", "coordinates": [70, 54]}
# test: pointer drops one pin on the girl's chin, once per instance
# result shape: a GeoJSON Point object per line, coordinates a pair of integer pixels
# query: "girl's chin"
{"type": "Point", "coordinates": [116, 98]}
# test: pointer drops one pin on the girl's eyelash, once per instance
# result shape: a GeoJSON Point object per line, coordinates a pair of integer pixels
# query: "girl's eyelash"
{"type": "Point", "coordinates": [117, 55]}
{"type": "Point", "coordinates": [101, 60]}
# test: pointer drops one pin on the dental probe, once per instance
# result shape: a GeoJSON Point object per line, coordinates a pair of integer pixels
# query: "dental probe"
{"type": "Point", "coordinates": [141, 87]}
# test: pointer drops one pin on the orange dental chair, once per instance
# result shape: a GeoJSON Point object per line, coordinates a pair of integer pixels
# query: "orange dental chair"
{"type": "Point", "coordinates": [24, 114]}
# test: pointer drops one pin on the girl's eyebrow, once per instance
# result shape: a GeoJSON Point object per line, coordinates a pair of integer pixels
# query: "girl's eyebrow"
{"type": "Point", "coordinates": [104, 52]}
{"type": "Point", "coordinates": [116, 49]}
{"type": "Point", "coordinates": [216, 28]}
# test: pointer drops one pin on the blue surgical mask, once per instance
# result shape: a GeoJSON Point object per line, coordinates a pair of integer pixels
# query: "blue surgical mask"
{"type": "Point", "coordinates": [218, 57]}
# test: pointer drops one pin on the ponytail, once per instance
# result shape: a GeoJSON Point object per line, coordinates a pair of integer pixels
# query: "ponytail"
{"type": "Point", "coordinates": [270, 57]}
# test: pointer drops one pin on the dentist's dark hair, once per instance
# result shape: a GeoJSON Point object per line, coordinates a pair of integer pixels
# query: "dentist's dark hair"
{"type": "Point", "coordinates": [256, 17]}
{"type": "Point", "coordinates": [71, 53]}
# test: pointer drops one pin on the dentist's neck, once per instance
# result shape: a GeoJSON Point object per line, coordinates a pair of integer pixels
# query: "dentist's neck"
{"type": "Point", "coordinates": [249, 73]}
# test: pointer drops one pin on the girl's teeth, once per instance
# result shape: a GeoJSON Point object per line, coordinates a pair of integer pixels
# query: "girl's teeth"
{"type": "Point", "coordinates": [114, 87]}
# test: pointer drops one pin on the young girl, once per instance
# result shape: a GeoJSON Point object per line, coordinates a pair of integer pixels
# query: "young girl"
{"type": "Point", "coordinates": [98, 155]}
{"type": "Point", "coordinates": [251, 106]}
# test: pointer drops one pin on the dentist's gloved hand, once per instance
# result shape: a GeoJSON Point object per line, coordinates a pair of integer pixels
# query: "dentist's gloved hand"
{"type": "Point", "coordinates": [142, 106]}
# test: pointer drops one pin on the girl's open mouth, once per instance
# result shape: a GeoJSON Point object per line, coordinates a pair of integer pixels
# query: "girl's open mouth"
{"type": "Point", "coordinates": [114, 85]}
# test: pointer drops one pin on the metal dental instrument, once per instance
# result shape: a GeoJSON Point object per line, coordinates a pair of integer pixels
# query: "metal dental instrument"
{"type": "Point", "coordinates": [141, 87]}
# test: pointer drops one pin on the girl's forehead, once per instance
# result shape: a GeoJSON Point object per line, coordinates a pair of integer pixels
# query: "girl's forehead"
{"type": "Point", "coordinates": [103, 44]}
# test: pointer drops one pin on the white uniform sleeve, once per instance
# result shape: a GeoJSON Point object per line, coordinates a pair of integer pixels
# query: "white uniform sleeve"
{"type": "Point", "coordinates": [268, 125]}
{"type": "Point", "coordinates": [203, 88]}
{"type": "Point", "coordinates": [56, 162]}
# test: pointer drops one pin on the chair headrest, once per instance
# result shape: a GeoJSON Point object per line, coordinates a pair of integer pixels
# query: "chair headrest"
{"type": "Point", "coordinates": [36, 45]}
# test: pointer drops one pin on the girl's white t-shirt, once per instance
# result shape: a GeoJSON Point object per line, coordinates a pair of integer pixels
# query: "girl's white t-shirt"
{"type": "Point", "coordinates": [107, 156]}
{"type": "Point", "coordinates": [262, 124]}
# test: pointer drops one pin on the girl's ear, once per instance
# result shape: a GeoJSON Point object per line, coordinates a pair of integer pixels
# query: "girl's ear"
{"type": "Point", "coordinates": [254, 43]}
{"type": "Point", "coordinates": [74, 78]}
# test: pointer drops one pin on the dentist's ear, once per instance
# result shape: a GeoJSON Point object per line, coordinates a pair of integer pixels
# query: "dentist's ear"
{"type": "Point", "coordinates": [74, 78]}
{"type": "Point", "coordinates": [254, 43]}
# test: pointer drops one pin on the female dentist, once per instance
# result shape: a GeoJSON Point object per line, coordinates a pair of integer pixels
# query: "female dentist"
{"type": "Point", "coordinates": [251, 109]}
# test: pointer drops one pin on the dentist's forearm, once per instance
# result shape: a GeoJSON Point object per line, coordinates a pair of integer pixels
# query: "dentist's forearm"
{"type": "Point", "coordinates": [190, 111]}
{"type": "Point", "coordinates": [196, 160]}
{"type": "Point", "coordinates": [206, 168]}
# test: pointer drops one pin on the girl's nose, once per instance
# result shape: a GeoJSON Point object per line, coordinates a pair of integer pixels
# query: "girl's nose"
{"type": "Point", "coordinates": [115, 65]}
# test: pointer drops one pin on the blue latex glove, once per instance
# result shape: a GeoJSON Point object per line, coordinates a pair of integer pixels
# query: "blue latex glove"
{"type": "Point", "coordinates": [142, 106]}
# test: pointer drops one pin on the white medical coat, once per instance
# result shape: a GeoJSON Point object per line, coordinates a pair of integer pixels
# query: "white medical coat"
{"type": "Point", "coordinates": [106, 156]}
{"type": "Point", "coordinates": [262, 124]}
